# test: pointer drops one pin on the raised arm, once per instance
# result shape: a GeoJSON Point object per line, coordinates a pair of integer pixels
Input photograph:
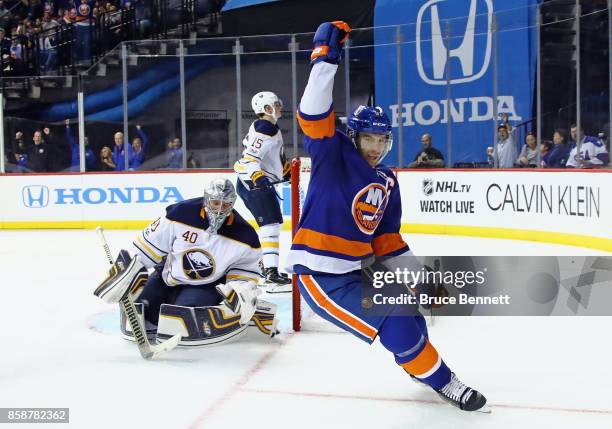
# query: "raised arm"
{"type": "Point", "coordinates": [143, 137]}
{"type": "Point", "coordinates": [315, 113]}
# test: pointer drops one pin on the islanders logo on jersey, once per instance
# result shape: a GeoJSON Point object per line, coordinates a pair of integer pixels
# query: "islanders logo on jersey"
{"type": "Point", "coordinates": [369, 206]}
{"type": "Point", "coordinates": [198, 264]}
{"type": "Point", "coordinates": [84, 9]}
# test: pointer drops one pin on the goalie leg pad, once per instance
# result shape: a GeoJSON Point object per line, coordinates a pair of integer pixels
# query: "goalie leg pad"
{"type": "Point", "coordinates": [126, 274]}
{"type": "Point", "coordinates": [199, 326]}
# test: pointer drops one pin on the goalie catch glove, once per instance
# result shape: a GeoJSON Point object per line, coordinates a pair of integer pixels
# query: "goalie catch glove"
{"type": "Point", "coordinates": [241, 298]}
{"type": "Point", "coordinates": [126, 272]}
{"type": "Point", "coordinates": [328, 42]}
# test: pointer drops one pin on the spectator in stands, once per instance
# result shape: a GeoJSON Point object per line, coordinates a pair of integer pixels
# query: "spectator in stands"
{"type": "Point", "coordinates": [557, 157]}
{"type": "Point", "coordinates": [90, 158]}
{"type": "Point", "coordinates": [5, 16]}
{"type": "Point", "coordinates": [48, 60]}
{"type": "Point", "coordinates": [529, 153]}
{"type": "Point", "coordinates": [5, 51]}
{"type": "Point", "coordinates": [193, 161]}
{"type": "Point", "coordinates": [64, 15]}
{"type": "Point", "coordinates": [20, 150]}
{"type": "Point", "coordinates": [139, 147]}
{"type": "Point", "coordinates": [174, 154]}
{"type": "Point", "coordinates": [503, 154]}
{"type": "Point", "coordinates": [604, 139]}
{"type": "Point", "coordinates": [16, 56]}
{"type": "Point", "coordinates": [83, 30]}
{"type": "Point", "coordinates": [592, 154]}
{"type": "Point", "coordinates": [35, 9]}
{"type": "Point", "coordinates": [48, 22]}
{"type": "Point", "coordinates": [48, 53]}
{"type": "Point", "coordinates": [118, 152]}
{"type": "Point", "coordinates": [106, 160]}
{"type": "Point", "coordinates": [38, 155]}
{"type": "Point", "coordinates": [428, 157]}
{"type": "Point", "coordinates": [142, 13]}
{"type": "Point", "coordinates": [547, 147]}
{"type": "Point", "coordinates": [56, 149]}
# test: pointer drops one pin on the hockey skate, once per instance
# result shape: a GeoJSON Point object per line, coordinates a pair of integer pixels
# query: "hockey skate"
{"type": "Point", "coordinates": [275, 282]}
{"type": "Point", "coordinates": [463, 397]}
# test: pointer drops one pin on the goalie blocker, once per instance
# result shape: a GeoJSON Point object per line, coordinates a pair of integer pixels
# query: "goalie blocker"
{"type": "Point", "coordinates": [125, 274]}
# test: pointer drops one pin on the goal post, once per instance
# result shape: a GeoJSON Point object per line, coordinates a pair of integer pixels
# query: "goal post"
{"type": "Point", "coordinates": [295, 218]}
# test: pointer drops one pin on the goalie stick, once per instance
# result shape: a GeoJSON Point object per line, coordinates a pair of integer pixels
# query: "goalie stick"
{"type": "Point", "coordinates": [126, 304]}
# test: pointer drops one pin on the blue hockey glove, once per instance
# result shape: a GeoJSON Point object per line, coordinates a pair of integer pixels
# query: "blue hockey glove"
{"type": "Point", "coordinates": [328, 42]}
{"type": "Point", "coordinates": [260, 180]}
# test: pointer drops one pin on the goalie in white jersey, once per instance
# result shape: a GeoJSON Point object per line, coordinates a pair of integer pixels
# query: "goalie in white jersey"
{"type": "Point", "coordinates": [205, 260]}
{"type": "Point", "coordinates": [262, 165]}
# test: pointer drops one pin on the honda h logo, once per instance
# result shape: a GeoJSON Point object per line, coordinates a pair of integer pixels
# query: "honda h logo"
{"type": "Point", "coordinates": [35, 196]}
{"type": "Point", "coordinates": [473, 62]}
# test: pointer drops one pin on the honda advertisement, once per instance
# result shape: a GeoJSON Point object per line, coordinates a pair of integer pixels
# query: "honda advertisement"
{"type": "Point", "coordinates": [450, 54]}
{"type": "Point", "coordinates": [112, 200]}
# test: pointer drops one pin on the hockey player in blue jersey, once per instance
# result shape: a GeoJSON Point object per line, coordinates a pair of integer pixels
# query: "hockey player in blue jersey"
{"type": "Point", "coordinates": [348, 180]}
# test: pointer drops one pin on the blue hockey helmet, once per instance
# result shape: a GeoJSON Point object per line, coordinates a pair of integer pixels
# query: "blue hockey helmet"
{"type": "Point", "coordinates": [367, 119]}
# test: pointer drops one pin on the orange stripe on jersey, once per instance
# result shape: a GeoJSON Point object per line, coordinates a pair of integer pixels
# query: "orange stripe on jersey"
{"type": "Point", "coordinates": [387, 243]}
{"type": "Point", "coordinates": [331, 243]}
{"type": "Point", "coordinates": [319, 51]}
{"type": "Point", "coordinates": [320, 128]}
{"type": "Point", "coordinates": [335, 310]}
{"type": "Point", "coordinates": [423, 362]}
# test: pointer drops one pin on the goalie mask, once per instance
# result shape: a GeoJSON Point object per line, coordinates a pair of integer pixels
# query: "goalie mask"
{"type": "Point", "coordinates": [370, 120]}
{"type": "Point", "coordinates": [219, 200]}
{"type": "Point", "coordinates": [264, 99]}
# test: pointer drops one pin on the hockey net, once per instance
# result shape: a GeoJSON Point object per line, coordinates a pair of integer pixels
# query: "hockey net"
{"type": "Point", "coordinates": [303, 316]}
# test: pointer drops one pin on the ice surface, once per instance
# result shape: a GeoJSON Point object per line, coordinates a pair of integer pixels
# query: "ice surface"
{"type": "Point", "coordinates": [61, 348]}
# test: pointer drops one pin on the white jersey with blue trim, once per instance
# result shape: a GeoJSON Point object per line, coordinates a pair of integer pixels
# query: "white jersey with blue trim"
{"type": "Point", "coordinates": [592, 150]}
{"type": "Point", "coordinates": [189, 255]}
{"type": "Point", "coordinates": [263, 152]}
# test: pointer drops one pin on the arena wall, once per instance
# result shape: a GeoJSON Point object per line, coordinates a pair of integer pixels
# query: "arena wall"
{"type": "Point", "coordinates": [553, 206]}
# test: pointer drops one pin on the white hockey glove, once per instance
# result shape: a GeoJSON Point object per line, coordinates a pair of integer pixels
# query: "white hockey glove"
{"type": "Point", "coordinates": [241, 298]}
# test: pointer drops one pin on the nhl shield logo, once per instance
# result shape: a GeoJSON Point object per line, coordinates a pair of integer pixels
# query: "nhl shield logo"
{"type": "Point", "coordinates": [198, 264]}
{"type": "Point", "coordinates": [428, 186]}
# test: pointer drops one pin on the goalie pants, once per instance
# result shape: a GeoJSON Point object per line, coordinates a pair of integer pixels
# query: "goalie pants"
{"type": "Point", "coordinates": [338, 298]}
{"type": "Point", "coordinates": [156, 293]}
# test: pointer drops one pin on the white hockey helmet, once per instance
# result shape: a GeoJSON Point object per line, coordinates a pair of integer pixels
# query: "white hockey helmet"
{"type": "Point", "coordinates": [263, 99]}
{"type": "Point", "coordinates": [219, 200]}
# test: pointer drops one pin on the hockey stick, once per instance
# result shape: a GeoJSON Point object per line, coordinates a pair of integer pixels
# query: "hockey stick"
{"type": "Point", "coordinates": [126, 304]}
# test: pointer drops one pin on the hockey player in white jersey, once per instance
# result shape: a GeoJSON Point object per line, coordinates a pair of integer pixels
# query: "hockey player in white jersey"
{"type": "Point", "coordinates": [205, 269]}
{"type": "Point", "coordinates": [262, 165]}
